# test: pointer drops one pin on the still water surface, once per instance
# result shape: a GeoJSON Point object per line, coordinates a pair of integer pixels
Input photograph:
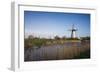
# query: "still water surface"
{"type": "Point", "coordinates": [55, 52]}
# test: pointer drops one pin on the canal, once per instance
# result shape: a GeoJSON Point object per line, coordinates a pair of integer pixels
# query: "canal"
{"type": "Point", "coordinates": [68, 50]}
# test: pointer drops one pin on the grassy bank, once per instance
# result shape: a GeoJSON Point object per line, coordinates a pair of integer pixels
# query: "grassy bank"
{"type": "Point", "coordinates": [37, 42]}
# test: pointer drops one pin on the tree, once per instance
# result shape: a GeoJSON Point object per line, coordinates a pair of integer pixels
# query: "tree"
{"type": "Point", "coordinates": [30, 37]}
{"type": "Point", "coordinates": [64, 38]}
{"type": "Point", "coordinates": [85, 38]}
{"type": "Point", "coordinates": [57, 37]}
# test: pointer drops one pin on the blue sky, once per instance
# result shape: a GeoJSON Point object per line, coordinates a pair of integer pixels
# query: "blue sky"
{"type": "Point", "coordinates": [50, 24]}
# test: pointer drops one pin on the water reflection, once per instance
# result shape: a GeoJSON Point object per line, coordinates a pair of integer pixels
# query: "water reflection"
{"type": "Point", "coordinates": [68, 50]}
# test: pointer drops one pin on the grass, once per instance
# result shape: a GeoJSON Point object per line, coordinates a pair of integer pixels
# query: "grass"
{"type": "Point", "coordinates": [29, 43]}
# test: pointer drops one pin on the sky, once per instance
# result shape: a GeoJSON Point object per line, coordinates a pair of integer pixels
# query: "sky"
{"type": "Point", "coordinates": [50, 24]}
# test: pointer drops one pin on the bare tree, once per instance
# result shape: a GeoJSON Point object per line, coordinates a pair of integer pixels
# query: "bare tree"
{"type": "Point", "coordinates": [30, 37]}
{"type": "Point", "coordinates": [57, 37]}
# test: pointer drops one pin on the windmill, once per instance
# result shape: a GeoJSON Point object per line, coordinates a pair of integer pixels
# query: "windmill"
{"type": "Point", "coordinates": [73, 32]}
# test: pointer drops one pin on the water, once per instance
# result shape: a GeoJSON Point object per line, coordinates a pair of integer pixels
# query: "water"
{"type": "Point", "coordinates": [55, 52]}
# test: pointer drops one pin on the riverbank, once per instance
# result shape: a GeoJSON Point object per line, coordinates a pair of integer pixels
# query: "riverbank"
{"type": "Point", "coordinates": [30, 43]}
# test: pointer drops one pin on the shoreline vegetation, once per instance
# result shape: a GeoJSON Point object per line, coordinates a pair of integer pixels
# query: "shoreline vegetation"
{"type": "Point", "coordinates": [66, 48]}
{"type": "Point", "coordinates": [31, 41]}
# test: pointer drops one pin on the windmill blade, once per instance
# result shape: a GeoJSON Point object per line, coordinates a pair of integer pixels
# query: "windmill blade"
{"type": "Point", "coordinates": [70, 30]}
{"type": "Point", "coordinates": [73, 26]}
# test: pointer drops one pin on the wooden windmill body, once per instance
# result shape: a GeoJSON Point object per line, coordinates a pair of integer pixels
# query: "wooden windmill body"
{"type": "Point", "coordinates": [73, 32]}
